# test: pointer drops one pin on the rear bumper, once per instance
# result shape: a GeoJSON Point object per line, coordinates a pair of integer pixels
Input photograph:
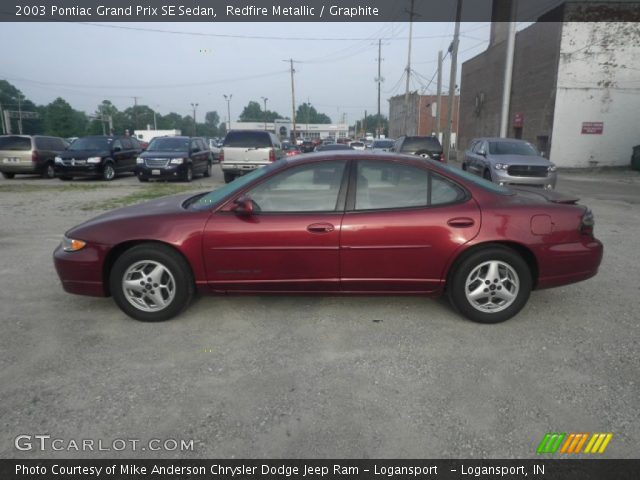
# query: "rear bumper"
{"type": "Point", "coordinates": [569, 263]}
{"type": "Point", "coordinates": [26, 167]}
{"type": "Point", "coordinates": [241, 167]}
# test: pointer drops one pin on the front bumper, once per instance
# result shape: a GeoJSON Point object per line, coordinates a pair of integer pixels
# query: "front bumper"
{"type": "Point", "coordinates": [81, 272]}
{"type": "Point", "coordinates": [87, 170]}
{"type": "Point", "coordinates": [502, 177]}
{"type": "Point", "coordinates": [168, 172]}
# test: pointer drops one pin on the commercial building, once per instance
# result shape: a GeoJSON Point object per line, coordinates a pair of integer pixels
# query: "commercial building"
{"type": "Point", "coordinates": [575, 87]}
{"type": "Point", "coordinates": [283, 128]}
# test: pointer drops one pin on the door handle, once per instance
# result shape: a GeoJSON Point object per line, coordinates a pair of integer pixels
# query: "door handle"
{"type": "Point", "coordinates": [461, 222]}
{"type": "Point", "coordinates": [320, 228]}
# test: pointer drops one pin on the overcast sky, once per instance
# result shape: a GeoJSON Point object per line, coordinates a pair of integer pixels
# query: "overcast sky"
{"type": "Point", "coordinates": [86, 63]}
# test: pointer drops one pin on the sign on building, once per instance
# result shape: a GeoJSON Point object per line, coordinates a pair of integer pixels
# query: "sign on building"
{"type": "Point", "coordinates": [592, 128]}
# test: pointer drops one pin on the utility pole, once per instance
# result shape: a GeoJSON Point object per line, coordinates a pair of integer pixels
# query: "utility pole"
{"type": "Point", "coordinates": [439, 95]}
{"type": "Point", "coordinates": [155, 124]}
{"type": "Point", "coordinates": [194, 106]}
{"type": "Point", "coordinates": [264, 99]}
{"type": "Point", "coordinates": [508, 72]}
{"type": "Point", "coordinates": [446, 138]}
{"type": "Point", "coordinates": [364, 124]}
{"type": "Point", "coordinates": [228, 99]}
{"type": "Point", "coordinates": [4, 129]}
{"type": "Point", "coordinates": [293, 102]}
{"type": "Point", "coordinates": [408, 70]}
{"type": "Point", "coordinates": [20, 113]}
{"type": "Point", "coordinates": [135, 113]}
{"type": "Point", "coordinates": [308, 109]}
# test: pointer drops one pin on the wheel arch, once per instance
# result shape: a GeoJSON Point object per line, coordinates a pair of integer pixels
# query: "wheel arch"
{"type": "Point", "coordinates": [120, 248]}
{"type": "Point", "coordinates": [527, 255]}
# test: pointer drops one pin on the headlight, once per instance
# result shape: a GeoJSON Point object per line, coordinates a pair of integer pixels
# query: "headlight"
{"type": "Point", "coordinates": [94, 159]}
{"type": "Point", "coordinates": [139, 161]}
{"type": "Point", "coordinates": [72, 245]}
{"type": "Point", "coordinates": [58, 159]}
{"type": "Point", "coordinates": [552, 168]}
{"type": "Point", "coordinates": [501, 166]}
{"type": "Point", "coordinates": [176, 161]}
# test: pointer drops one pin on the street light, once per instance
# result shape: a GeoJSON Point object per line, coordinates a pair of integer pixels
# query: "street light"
{"type": "Point", "coordinates": [264, 99]}
{"type": "Point", "coordinates": [194, 106]}
{"type": "Point", "coordinates": [228, 99]}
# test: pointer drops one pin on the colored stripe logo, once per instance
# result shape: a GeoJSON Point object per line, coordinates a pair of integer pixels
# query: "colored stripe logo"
{"type": "Point", "coordinates": [573, 443]}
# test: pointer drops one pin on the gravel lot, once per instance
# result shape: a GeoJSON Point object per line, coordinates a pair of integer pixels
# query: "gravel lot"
{"type": "Point", "coordinates": [315, 377]}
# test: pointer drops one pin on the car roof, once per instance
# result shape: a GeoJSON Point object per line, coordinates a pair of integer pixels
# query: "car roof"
{"type": "Point", "coordinates": [499, 139]}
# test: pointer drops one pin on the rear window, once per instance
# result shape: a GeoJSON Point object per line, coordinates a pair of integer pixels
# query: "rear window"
{"type": "Point", "coordinates": [15, 143]}
{"type": "Point", "coordinates": [414, 144]}
{"type": "Point", "coordinates": [247, 140]}
{"type": "Point", "coordinates": [383, 144]}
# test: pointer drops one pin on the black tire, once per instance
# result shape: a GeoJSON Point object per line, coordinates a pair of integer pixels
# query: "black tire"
{"type": "Point", "coordinates": [108, 172]}
{"type": "Point", "coordinates": [172, 261]}
{"type": "Point", "coordinates": [187, 176]}
{"type": "Point", "coordinates": [207, 171]}
{"type": "Point", "coordinates": [464, 167]}
{"type": "Point", "coordinates": [8, 175]}
{"type": "Point", "coordinates": [65, 178]}
{"type": "Point", "coordinates": [49, 171]}
{"type": "Point", "coordinates": [456, 286]}
{"type": "Point", "coordinates": [487, 175]}
{"type": "Point", "coordinates": [143, 179]}
{"type": "Point", "coordinates": [229, 177]}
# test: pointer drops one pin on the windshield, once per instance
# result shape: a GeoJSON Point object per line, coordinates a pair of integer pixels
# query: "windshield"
{"type": "Point", "coordinates": [216, 196]}
{"type": "Point", "coordinates": [96, 144]}
{"type": "Point", "coordinates": [383, 144]}
{"type": "Point", "coordinates": [479, 181]}
{"type": "Point", "coordinates": [511, 148]}
{"type": "Point", "coordinates": [247, 139]}
{"type": "Point", "coordinates": [169, 145]}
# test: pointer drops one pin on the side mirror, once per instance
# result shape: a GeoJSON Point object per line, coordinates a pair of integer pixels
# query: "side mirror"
{"type": "Point", "coordinates": [243, 205]}
{"type": "Point", "coordinates": [482, 152]}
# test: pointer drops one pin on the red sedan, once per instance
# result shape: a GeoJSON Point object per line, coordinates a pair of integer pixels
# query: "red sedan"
{"type": "Point", "coordinates": [344, 222]}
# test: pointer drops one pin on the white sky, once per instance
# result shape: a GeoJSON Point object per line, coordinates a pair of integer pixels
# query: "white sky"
{"type": "Point", "coordinates": [85, 64]}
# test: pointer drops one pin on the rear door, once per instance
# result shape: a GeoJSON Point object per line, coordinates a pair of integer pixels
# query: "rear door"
{"type": "Point", "coordinates": [291, 240]}
{"type": "Point", "coordinates": [15, 152]}
{"type": "Point", "coordinates": [402, 224]}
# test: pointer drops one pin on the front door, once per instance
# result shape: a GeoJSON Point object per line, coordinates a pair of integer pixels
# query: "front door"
{"type": "Point", "coordinates": [291, 240]}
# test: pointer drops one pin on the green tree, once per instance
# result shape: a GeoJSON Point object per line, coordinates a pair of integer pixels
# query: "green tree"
{"type": "Point", "coordinates": [210, 127]}
{"type": "Point", "coordinates": [253, 113]}
{"type": "Point", "coordinates": [306, 113]}
{"type": "Point", "coordinates": [12, 99]}
{"type": "Point", "coordinates": [370, 124]}
{"type": "Point", "coordinates": [61, 120]}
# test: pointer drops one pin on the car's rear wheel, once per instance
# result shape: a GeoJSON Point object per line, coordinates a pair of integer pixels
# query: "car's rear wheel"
{"type": "Point", "coordinates": [8, 175]}
{"type": "Point", "coordinates": [229, 177]}
{"type": "Point", "coordinates": [151, 282]}
{"type": "Point", "coordinates": [487, 175]}
{"type": "Point", "coordinates": [490, 285]}
{"type": "Point", "coordinates": [143, 179]}
{"type": "Point", "coordinates": [49, 171]}
{"type": "Point", "coordinates": [108, 172]}
{"type": "Point", "coordinates": [208, 170]}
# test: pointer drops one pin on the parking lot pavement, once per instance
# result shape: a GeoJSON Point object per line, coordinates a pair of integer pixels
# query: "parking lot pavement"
{"type": "Point", "coordinates": [303, 376]}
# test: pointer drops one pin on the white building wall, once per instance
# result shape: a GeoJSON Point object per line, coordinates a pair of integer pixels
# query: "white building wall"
{"type": "Point", "coordinates": [598, 81]}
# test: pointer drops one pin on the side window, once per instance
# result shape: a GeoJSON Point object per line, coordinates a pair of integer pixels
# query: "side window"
{"type": "Point", "coordinates": [201, 145]}
{"type": "Point", "coordinates": [41, 143]}
{"type": "Point", "coordinates": [307, 188]}
{"type": "Point", "coordinates": [443, 191]}
{"type": "Point", "coordinates": [60, 144]}
{"type": "Point", "coordinates": [382, 185]}
{"type": "Point", "coordinates": [127, 144]}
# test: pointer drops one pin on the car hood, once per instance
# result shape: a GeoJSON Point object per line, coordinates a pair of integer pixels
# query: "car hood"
{"type": "Point", "coordinates": [520, 160]}
{"type": "Point", "coordinates": [161, 154]}
{"type": "Point", "coordinates": [83, 154]}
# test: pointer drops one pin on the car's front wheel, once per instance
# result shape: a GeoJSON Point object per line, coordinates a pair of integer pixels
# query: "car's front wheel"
{"type": "Point", "coordinates": [151, 282]}
{"type": "Point", "coordinates": [229, 177]}
{"type": "Point", "coordinates": [490, 285]}
{"type": "Point", "coordinates": [108, 172]}
{"type": "Point", "coordinates": [208, 170]}
{"type": "Point", "coordinates": [49, 171]}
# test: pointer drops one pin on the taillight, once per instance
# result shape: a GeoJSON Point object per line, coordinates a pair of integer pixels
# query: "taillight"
{"type": "Point", "coordinates": [587, 223]}
{"type": "Point", "coordinates": [272, 155]}
{"type": "Point", "coordinates": [34, 156]}
{"type": "Point", "coordinates": [221, 155]}
{"type": "Point", "coordinates": [442, 157]}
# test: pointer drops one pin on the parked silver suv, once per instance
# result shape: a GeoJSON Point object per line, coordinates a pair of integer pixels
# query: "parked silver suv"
{"type": "Point", "coordinates": [29, 154]}
{"type": "Point", "coordinates": [245, 150]}
{"type": "Point", "coordinates": [508, 161]}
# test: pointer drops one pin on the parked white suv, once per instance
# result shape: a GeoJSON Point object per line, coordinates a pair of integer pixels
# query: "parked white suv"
{"type": "Point", "coordinates": [245, 150]}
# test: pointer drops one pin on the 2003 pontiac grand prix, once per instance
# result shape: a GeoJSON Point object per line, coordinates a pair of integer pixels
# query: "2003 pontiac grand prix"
{"type": "Point", "coordinates": [336, 223]}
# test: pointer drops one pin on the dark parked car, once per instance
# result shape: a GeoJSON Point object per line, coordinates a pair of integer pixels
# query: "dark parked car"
{"type": "Point", "coordinates": [177, 158]}
{"type": "Point", "coordinates": [29, 154]}
{"type": "Point", "coordinates": [427, 147]}
{"type": "Point", "coordinates": [508, 161]}
{"type": "Point", "coordinates": [336, 223]}
{"type": "Point", "coordinates": [382, 145]}
{"type": "Point", "coordinates": [307, 146]}
{"type": "Point", "coordinates": [98, 156]}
